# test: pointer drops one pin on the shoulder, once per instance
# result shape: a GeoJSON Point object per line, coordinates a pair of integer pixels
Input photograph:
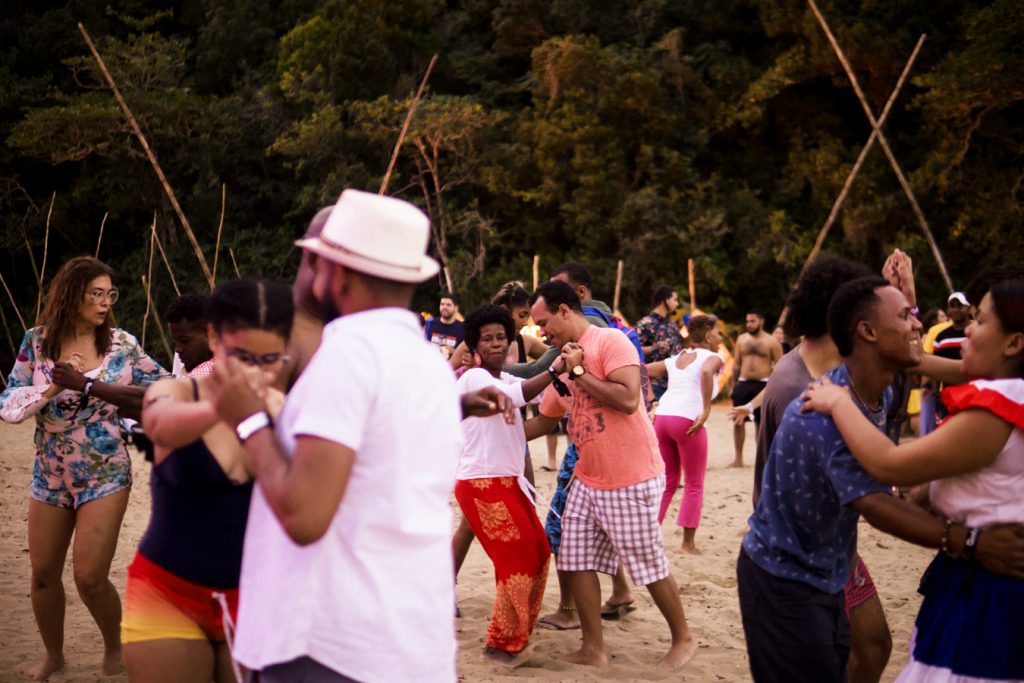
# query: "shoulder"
{"type": "Point", "coordinates": [119, 337]}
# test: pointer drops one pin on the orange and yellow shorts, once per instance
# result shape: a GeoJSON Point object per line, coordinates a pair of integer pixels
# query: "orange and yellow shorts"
{"type": "Point", "coordinates": [159, 605]}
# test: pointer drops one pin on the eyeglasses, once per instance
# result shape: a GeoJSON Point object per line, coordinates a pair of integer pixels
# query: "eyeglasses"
{"type": "Point", "coordinates": [98, 295]}
{"type": "Point", "coordinates": [252, 359]}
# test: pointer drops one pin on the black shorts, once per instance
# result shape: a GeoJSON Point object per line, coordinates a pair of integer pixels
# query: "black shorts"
{"type": "Point", "coordinates": [794, 631]}
{"type": "Point", "coordinates": [745, 391]}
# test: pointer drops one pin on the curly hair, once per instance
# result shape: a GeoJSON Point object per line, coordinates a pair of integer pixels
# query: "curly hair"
{"type": "Point", "coordinates": [698, 328]}
{"type": "Point", "coordinates": [808, 302]}
{"type": "Point", "coordinates": [486, 315]}
{"type": "Point", "coordinates": [64, 300]}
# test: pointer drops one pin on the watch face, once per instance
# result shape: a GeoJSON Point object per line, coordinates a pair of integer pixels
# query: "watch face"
{"type": "Point", "coordinates": [578, 370]}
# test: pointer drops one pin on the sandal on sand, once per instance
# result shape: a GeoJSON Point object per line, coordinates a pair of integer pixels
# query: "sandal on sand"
{"type": "Point", "coordinates": [545, 468]}
{"type": "Point", "coordinates": [616, 610]}
{"type": "Point", "coordinates": [549, 623]}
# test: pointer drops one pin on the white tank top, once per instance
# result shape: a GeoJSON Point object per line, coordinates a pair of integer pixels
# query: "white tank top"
{"type": "Point", "coordinates": [683, 397]}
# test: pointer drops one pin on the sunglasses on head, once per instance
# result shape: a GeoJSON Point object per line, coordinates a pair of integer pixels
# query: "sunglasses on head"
{"type": "Point", "coordinates": [252, 359]}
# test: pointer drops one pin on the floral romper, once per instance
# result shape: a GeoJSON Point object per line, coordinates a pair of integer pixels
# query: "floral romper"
{"type": "Point", "coordinates": [80, 453]}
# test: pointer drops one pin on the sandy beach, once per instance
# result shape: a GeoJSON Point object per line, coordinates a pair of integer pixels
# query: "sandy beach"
{"type": "Point", "coordinates": [707, 584]}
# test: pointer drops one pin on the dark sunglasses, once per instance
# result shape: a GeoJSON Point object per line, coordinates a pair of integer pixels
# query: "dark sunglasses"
{"type": "Point", "coordinates": [252, 359]}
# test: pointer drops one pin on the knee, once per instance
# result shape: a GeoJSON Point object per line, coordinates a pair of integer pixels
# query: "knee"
{"type": "Point", "coordinates": [91, 583]}
{"type": "Point", "coordinates": [45, 577]}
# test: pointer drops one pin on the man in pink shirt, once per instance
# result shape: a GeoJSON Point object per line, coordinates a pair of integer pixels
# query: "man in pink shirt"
{"type": "Point", "coordinates": [612, 511]}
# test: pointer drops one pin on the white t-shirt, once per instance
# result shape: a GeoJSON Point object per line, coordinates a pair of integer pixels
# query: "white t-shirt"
{"type": "Point", "coordinates": [684, 397]}
{"type": "Point", "coordinates": [492, 448]}
{"type": "Point", "coordinates": [373, 598]}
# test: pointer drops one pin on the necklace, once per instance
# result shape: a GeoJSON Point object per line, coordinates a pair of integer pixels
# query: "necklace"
{"type": "Point", "coordinates": [862, 401]}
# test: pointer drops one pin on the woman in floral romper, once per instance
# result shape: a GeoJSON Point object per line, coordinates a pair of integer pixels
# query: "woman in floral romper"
{"type": "Point", "coordinates": [77, 376]}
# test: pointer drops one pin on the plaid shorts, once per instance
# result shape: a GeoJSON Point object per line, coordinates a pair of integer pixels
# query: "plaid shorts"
{"type": "Point", "coordinates": [602, 527]}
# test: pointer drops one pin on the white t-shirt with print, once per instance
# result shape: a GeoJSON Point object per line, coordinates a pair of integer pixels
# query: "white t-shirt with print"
{"type": "Point", "coordinates": [492, 448]}
{"type": "Point", "coordinates": [373, 598]}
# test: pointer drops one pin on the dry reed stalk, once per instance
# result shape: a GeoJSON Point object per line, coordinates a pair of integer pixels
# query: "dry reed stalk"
{"type": "Point", "coordinates": [46, 249]}
{"type": "Point", "coordinates": [14, 304]}
{"type": "Point", "coordinates": [691, 276]}
{"type": "Point", "coordinates": [234, 263]}
{"type": "Point", "coordinates": [156, 316]}
{"type": "Point", "coordinates": [32, 259]}
{"type": "Point", "coordinates": [405, 129]}
{"type": "Point", "coordinates": [149, 154]}
{"type": "Point", "coordinates": [99, 240]}
{"type": "Point", "coordinates": [907, 190]}
{"type": "Point", "coordinates": [163, 256]}
{"type": "Point", "coordinates": [220, 227]}
{"type": "Point", "coordinates": [536, 271]}
{"type": "Point", "coordinates": [618, 288]}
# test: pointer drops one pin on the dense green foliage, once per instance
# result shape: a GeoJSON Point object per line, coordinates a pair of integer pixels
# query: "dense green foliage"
{"type": "Point", "coordinates": [645, 130]}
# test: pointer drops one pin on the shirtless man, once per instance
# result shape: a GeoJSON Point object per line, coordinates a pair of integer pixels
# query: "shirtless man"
{"type": "Point", "coordinates": [756, 355]}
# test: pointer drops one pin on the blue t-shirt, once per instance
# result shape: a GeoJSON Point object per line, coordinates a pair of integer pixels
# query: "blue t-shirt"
{"type": "Point", "coordinates": [802, 528]}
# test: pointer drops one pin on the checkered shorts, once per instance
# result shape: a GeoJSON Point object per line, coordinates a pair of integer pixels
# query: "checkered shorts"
{"type": "Point", "coordinates": [602, 527]}
{"type": "Point", "coordinates": [860, 588]}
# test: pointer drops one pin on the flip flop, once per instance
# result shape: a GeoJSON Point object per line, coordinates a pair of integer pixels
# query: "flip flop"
{"type": "Point", "coordinates": [613, 610]}
{"type": "Point", "coordinates": [543, 622]}
{"type": "Point", "coordinates": [545, 468]}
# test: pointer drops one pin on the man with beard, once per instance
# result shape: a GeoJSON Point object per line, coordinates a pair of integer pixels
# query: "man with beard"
{"type": "Point", "coordinates": [446, 330]}
{"type": "Point", "coordinates": [347, 570]}
{"type": "Point", "coordinates": [756, 355]}
{"type": "Point", "coordinates": [659, 335]}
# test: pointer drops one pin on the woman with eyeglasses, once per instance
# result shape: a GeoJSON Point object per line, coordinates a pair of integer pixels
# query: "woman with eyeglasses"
{"type": "Point", "coordinates": [77, 376]}
{"type": "Point", "coordinates": [186, 571]}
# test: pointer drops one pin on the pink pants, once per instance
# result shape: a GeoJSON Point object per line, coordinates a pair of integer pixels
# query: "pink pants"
{"type": "Point", "coordinates": [686, 453]}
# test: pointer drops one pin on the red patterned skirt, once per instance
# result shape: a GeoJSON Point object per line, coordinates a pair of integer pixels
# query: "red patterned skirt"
{"type": "Point", "coordinates": [506, 524]}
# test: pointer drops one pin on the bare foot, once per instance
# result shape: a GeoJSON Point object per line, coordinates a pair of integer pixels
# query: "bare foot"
{"type": "Point", "coordinates": [560, 620]}
{"type": "Point", "coordinates": [499, 656]}
{"type": "Point", "coordinates": [736, 463]}
{"type": "Point", "coordinates": [46, 667]}
{"type": "Point", "coordinates": [689, 549]}
{"type": "Point", "coordinates": [679, 654]}
{"type": "Point", "coordinates": [588, 657]}
{"type": "Point", "coordinates": [112, 664]}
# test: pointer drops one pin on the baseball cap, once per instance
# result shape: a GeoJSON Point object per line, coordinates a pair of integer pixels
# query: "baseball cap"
{"type": "Point", "coordinates": [958, 296]}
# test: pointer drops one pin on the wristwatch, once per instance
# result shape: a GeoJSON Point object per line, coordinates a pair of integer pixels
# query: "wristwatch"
{"type": "Point", "coordinates": [252, 424]}
{"type": "Point", "coordinates": [553, 372]}
{"type": "Point", "coordinates": [578, 371]}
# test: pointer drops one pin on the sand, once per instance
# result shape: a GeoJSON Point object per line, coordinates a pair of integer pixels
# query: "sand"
{"type": "Point", "coordinates": [707, 585]}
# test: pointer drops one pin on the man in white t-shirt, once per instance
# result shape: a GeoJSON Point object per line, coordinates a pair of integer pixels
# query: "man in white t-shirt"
{"type": "Point", "coordinates": [347, 571]}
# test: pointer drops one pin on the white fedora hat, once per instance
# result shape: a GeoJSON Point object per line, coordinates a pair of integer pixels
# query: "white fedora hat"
{"type": "Point", "coordinates": [379, 236]}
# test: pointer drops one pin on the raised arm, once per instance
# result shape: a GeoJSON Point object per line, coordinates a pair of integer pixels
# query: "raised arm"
{"type": "Point", "coordinates": [534, 368]}
{"type": "Point", "coordinates": [969, 441]}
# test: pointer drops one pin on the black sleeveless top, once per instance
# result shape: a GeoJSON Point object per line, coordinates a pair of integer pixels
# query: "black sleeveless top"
{"type": "Point", "coordinates": [199, 515]}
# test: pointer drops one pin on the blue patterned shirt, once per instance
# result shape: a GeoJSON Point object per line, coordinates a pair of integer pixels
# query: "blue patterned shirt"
{"type": "Point", "coordinates": [803, 528]}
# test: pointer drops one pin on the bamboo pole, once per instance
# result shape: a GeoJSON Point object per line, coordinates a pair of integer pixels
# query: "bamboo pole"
{"type": "Point", "coordinates": [884, 144]}
{"type": "Point", "coordinates": [220, 227]}
{"type": "Point", "coordinates": [234, 263]}
{"type": "Point", "coordinates": [618, 288]}
{"type": "Point", "coordinates": [536, 271]}
{"type": "Point", "coordinates": [156, 316]}
{"type": "Point", "coordinates": [150, 155]}
{"type": "Point", "coordinates": [99, 240]}
{"type": "Point", "coordinates": [148, 280]}
{"type": "Point", "coordinates": [405, 129]}
{"type": "Point", "coordinates": [14, 304]}
{"type": "Point", "coordinates": [693, 286]}
{"type": "Point", "coordinates": [46, 249]}
{"type": "Point", "coordinates": [834, 213]}
{"type": "Point", "coordinates": [163, 256]}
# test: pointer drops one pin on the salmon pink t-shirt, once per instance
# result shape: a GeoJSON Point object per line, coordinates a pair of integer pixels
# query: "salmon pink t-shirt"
{"type": "Point", "coordinates": [616, 449]}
